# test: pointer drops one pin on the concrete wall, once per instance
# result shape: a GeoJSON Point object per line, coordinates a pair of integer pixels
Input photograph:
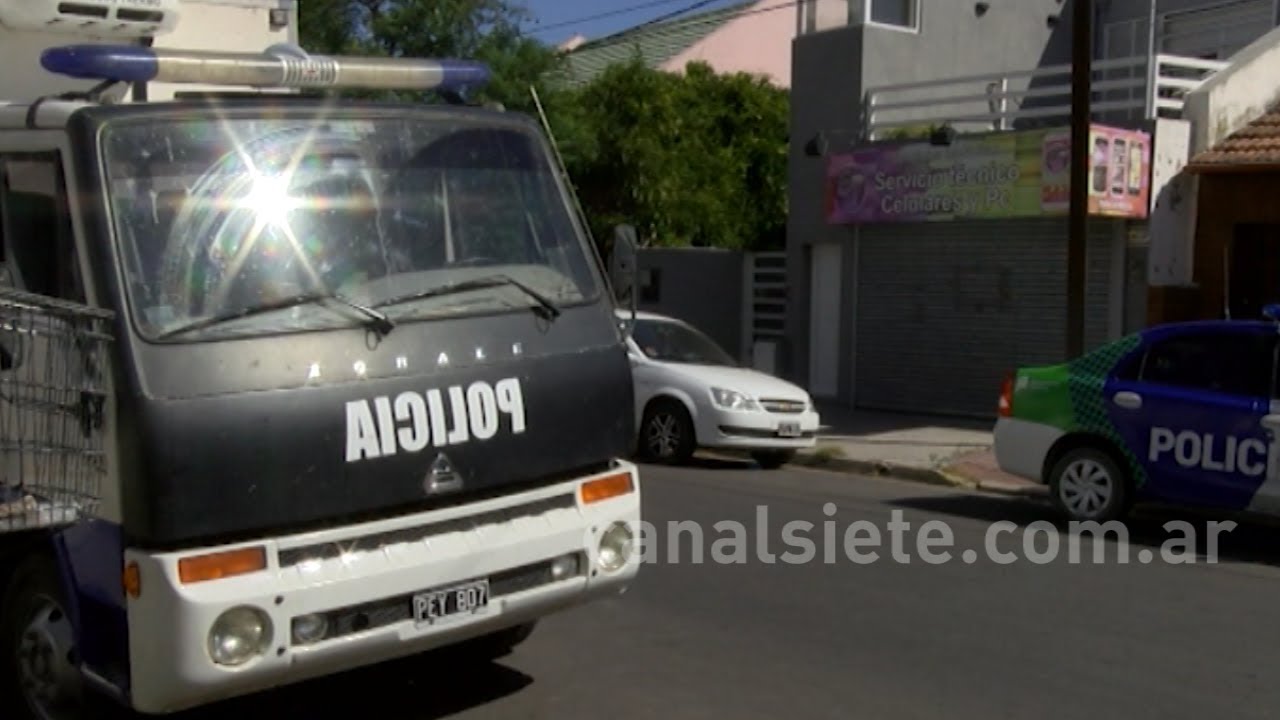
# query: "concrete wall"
{"type": "Point", "coordinates": [702, 286]}
{"type": "Point", "coordinates": [826, 97]}
{"type": "Point", "coordinates": [1236, 95]}
{"type": "Point", "coordinates": [1225, 103]}
{"type": "Point", "coordinates": [819, 15]}
{"type": "Point", "coordinates": [954, 41]}
{"type": "Point", "coordinates": [758, 42]}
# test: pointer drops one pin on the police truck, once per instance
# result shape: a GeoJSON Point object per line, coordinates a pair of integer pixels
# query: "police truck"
{"type": "Point", "coordinates": [290, 383]}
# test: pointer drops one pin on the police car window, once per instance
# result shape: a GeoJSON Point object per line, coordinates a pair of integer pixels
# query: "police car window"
{"type": "Point", "coordinates": [1230, 363]}
{"type": "Point", "coordinates": [1130, 367]}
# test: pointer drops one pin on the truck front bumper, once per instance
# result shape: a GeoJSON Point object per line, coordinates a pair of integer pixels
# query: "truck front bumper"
{"type": "Point", "coordinates": [351, 596]}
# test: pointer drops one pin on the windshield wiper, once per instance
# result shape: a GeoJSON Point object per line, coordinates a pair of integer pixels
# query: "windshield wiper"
{"type": "Point", "coordinates": [546, 309]}
{"type": "Point", "coordinates": [379, 322]}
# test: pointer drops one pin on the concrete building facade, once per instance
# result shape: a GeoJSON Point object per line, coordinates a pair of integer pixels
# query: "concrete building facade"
{"type": "Point", "coordinates": [926, 313]}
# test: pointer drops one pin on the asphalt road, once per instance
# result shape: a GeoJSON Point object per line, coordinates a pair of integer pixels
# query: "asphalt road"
{"type": "Point", "coordinates": [881, 640]}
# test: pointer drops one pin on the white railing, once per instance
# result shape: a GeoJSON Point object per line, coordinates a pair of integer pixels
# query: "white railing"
{"type": "Point", "coordinates": [1123, 88]}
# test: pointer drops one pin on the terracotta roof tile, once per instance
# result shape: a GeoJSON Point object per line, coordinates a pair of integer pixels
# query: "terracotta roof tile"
{"type": "Point", "coordinates": [1257, 144]}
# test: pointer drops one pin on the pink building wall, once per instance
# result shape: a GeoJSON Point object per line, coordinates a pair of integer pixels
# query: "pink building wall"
{"type": "Point", "coordinates": [755, 42]}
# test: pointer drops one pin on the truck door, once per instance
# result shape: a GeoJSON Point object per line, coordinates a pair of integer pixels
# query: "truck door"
{"type": "Point", "coordinates": [1193, 415]}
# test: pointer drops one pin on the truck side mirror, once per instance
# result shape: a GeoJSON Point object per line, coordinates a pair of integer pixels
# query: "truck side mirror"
{"type": "Point", "coordinates": [622, 264]}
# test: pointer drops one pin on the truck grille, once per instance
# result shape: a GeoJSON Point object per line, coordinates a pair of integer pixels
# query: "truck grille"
{"type": "Point", "coordinates": [290, 557]}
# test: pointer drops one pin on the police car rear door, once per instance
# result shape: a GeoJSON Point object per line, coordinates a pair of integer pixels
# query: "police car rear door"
{"type": "Point", "coordinates": [1194, 413]}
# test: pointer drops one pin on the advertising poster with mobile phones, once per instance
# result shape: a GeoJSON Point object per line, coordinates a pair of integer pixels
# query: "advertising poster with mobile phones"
{"type": "Point", "coordinates": [989, 176]}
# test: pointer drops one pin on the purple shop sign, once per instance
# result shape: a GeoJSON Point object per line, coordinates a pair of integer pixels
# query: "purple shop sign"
{"type": "Point", "coordinates": [851, 189]}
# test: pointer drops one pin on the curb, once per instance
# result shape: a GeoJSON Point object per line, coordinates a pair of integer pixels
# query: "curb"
{"type": "Point", "coordinates": [930, 476]}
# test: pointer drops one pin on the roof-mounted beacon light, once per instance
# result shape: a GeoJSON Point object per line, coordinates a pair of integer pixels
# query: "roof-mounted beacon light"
{"type": "Point", "coordinates": [280, 66]}
{"type": "Point", "coordinates": [103, 19]}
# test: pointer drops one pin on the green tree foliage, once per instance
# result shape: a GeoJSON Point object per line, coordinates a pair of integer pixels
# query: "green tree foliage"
{"type": "Point", "coordinates": [485, 30]}
{"type": "Point", "coordinates": [697, 158]}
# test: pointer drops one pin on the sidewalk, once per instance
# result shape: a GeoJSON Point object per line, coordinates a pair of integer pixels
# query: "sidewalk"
{"type": "Point", "coordinates": [938, 450]}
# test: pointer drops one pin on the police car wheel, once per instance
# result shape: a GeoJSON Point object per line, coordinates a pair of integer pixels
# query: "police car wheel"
{"type": "Point", "coordinates": [1087, 484]}
{"type": "Point", "coordinates": [38, 668]}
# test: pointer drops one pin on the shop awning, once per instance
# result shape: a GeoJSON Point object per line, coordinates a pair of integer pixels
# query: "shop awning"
{"type": "Point", "coordinates": [1253, 148]}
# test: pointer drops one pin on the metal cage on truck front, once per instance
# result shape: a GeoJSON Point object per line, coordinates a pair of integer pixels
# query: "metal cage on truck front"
{"type": "Point", "coordinates": [54, 370]}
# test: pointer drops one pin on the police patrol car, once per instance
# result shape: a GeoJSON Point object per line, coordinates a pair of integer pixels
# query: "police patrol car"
{"type": "Point", "coordinates": [1184, 413]}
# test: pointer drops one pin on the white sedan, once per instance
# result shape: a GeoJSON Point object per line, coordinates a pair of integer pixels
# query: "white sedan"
{"type": "Point", "coordinates": [691, 394]}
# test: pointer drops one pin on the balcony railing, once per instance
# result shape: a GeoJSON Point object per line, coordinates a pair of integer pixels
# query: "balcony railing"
{"type": "Point", "coordinates": [1123, 89]}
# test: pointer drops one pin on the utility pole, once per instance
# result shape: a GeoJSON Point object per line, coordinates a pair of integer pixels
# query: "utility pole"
{"type": "Point", "coordinates": [1078, 221]}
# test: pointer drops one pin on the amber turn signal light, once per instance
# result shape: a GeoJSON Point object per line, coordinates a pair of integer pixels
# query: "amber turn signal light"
{"type": "Point", "coordinates": [609, 486]}
{"type": "Point", "coordinates": [215, 566]}
{"type": "Point", "coordinates": [132, 580]}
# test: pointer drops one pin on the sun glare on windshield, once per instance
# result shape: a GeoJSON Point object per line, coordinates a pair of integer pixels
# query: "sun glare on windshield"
{"type": "Point", "coordinates": [240, 214]}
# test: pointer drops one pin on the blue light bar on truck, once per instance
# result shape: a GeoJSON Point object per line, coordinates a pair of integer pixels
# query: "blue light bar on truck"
{"type": "Point", "coordinates": [277, 67]}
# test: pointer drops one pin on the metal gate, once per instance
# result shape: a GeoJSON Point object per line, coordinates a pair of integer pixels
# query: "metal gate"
{"type": "Point", "coordinates": [765, 308]}
{"type": "Point", "coordinates": [944, 309]}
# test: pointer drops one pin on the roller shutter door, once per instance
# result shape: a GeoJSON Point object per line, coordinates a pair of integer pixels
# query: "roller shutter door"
{"type": "Point", "coordinates": [944, 309]}
{"type": "Point", "coordinates": [1217, 31]}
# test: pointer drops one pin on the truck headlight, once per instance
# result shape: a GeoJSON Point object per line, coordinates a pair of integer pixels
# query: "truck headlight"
{"type": "Point", "coordinates": [239, 635]}
{"type": "Point", "coordinates": [615, 547]}
{"type": "Point", "coordinates": [733, 400]}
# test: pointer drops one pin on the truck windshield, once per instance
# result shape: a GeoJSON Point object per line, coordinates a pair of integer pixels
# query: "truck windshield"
{"type": "Point", "coordinates": [218, 217]}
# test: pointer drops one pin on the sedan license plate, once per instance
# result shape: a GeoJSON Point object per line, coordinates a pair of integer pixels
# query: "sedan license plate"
{"type": "Point", "coordinates": [465, 599]}
{"type": "Point", "coordinates": [789, 429]}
